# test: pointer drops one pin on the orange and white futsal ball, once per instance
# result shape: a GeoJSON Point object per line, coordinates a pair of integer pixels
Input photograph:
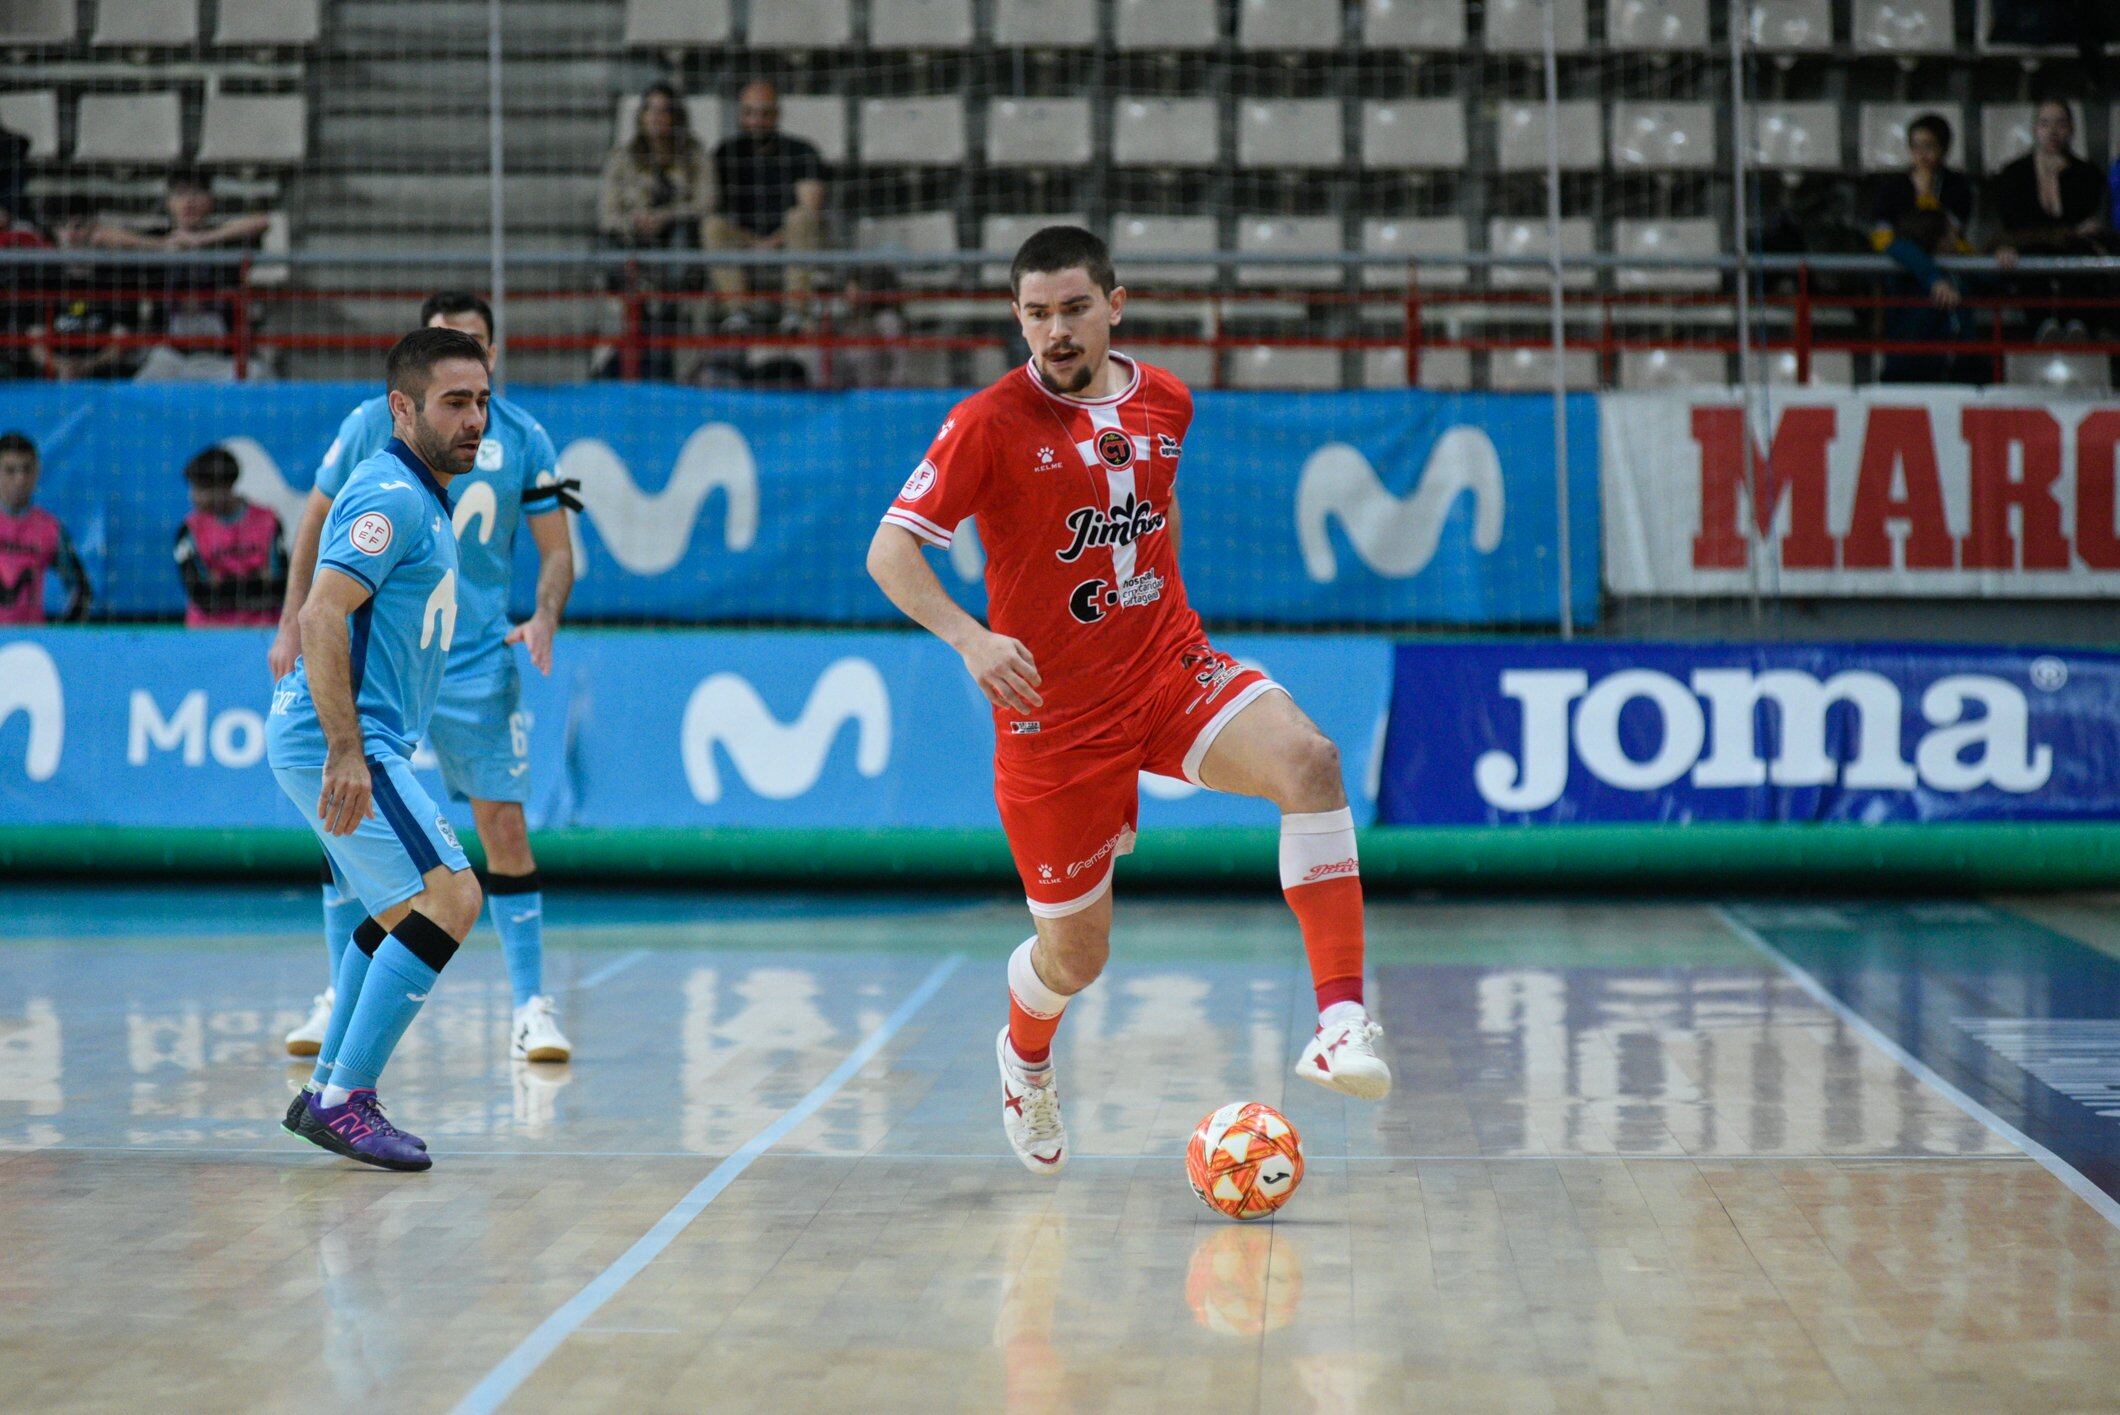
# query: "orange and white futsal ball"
{"type": "Point", "coordinates": [1245, 1160]}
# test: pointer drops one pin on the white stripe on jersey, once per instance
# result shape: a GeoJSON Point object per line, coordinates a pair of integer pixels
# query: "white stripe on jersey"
{"type": "Point", "coordinates": [920, 526]}
{"type": "Point", "coordinates": [1104, 419]}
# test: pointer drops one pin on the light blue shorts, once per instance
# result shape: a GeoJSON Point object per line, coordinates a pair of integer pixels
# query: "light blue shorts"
{"type": "Point", "coordinates": [481, 736]}
{"type": "Point", "coordinates": [386, 859]}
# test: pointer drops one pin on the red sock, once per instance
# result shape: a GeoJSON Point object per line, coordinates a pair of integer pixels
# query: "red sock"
{"type": "Point", "coordinates": [1033, 1008]}
{"type": "Point", "coordinates": [1322, 881]}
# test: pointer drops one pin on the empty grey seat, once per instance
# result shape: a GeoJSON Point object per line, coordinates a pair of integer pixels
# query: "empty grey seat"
{"type": "Point", "coordinates": [1164, 132]}
{"type": "Point", "coordinates": [702, 114]}
{"type": "Point", "coordinates": [1416, 236]}
{"type": "Point", "coordinates": [38, 22]}
{"type": "Point", "coordinates": [163, 23]}
{"type": "Point", "coordinates": [1518, 26]}
{"type": "Point", "coordinates": [915, 233]}
{"type": "Point", "coordinates": [677, 22]}
{"type": "Point", "coordinates": [1038, 132]}
{"type": "Point", "coordinates": [818, 119]}
{"type": "Point", "coordinates": [1526, 236]}
{"type": "Point", "coordinates": [1134, 237]}
{"type": "Point", "coordinates": [2059, 372]}
{"type": "Point", "coordinates": [1414, 133]}
{"type": "Point", "coordinates": [1194, 364]}
{"type": "Point", "coordinates": [1667, 236]}
{"type": "Point", "coordinates": [128, 127]}
{"type": "Point", "coordinates": [1264, 366]}
{"type": "Point", "coordinates": [801, 24]}
{"type": "Point", "coordinates": [1531, 370]}
{"type": "Point", "coordinates": [1521, 136]}
{"type": "Point", "coordinates": [1829, 368]}
{"type": "Point", "coordinates": [1656, 25]}
{"type": "Point", "coordinates": [1883, 132]}
{"type": "Point", "coordinates": [1792, 26]}
{"type": "Point", "coordinates": [1796, 137]}
{"type": "Point", "coordinates": [1006, 231]}
{"type": "Point", "coordinates": [914, 132]}
{"type": "Point", "coordinates": [1054, 23]}
{"type": "Point", "coordinates": [1289, 132]}
{"type": "Point", "coordinates": [1166, 24]}
{"type": "Point", "coordinates": [282, 23]}
{"type": "Point", "coordinates": [1904, 27]}
{"type": "Point", "coordinates": [1672, 368]}
{"type": "Point", "coordinates": [1440, 368]}
{"type": "Point", "coordinates": [1289, 24]}
{"type": "Point", "coordinates": [920, 24]}
{"type": "Point", "coordinates": [1289, 235]}
{"type": "Point", "coordinates": [1413, 24]}
{"type": "Point", "coordinates": [34, 113]}
{"type": "Point", "coordinates": [1667, 137]}
{"type": "Point", "coordinates": [261, 128]}
{"type": "Point", "coordinates": [2006, 134]}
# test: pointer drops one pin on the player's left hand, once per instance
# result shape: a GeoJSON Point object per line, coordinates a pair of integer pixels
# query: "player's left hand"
{"type": "Point", "coordinates": [535, 634]}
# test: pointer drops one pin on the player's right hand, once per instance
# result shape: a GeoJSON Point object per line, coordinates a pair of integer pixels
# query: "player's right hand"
{"type": "Point", "coordinates": [286, 648]}
{"type": "Point", "coordinates": [348, 795]}
{"type": "Point", "coordinates": [1004, 671]}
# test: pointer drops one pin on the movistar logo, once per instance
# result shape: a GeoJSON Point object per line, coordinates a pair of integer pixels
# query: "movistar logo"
{"type": "Point", "coordinates": [1396, 537]}
{"type": "Point", "coordinates": [441, 609]}
{"type": "Point", "coordinates": [646, 533]}
{"type": "Point", "coordinates": [258, 479]}
{"type": "Point", "coordinates": [476, 502]}
{"type": "Point", "coordinates": [29, 684]}
{"type": "Point", "coordinates": [776, 760]}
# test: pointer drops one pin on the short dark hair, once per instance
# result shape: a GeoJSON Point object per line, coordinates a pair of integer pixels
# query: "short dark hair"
{"type": "Point", "coordinates": [1936, 125]}
{"type": "Point", "coordinates": [214, 466]}
{"type": "Point", "coordinates": [188, 179]}
{"type": "Point", "coordinates": [410, 365]}
{"type": "Point", "coordinates": [1057, 248]}
{"type": "Point", "coordinates": [17, 442]}
{"type": "Point", "coordinates": [456, 302]}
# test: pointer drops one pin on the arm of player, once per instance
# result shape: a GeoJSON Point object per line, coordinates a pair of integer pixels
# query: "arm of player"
{"type": "Point", "coordinates": [301, 570]}
{"type": "Point", "coordinates": [328, 653]}
{"type": "Point", "coordinates": [1001, 666]}
{"type": "Point", "coordinates": [555, 581]}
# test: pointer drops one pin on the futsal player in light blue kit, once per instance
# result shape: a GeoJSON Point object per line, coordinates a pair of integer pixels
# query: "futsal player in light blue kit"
{"type": "Point", "coordinates": [376, 630]}
{"type": "Point", "coordinates": [479, 734]}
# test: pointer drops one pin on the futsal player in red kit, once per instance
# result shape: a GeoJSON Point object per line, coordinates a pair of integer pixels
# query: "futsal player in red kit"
{"type": "Point", "coordinates": [1098, 669]}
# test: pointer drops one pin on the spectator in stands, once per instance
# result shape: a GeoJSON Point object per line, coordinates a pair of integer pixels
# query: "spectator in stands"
{"type": "Point", "coordinates": [1917, 215]}
{"type": "Point", "coordinates": [2050, 202]}
{"type": "Point", "coordinates": [19, 284]}
{"type": "Point", "coordinates": [196, 302]}
{"type": "Point", "coordinates": [83, 316]}
{"type": "Point", "coordinates": [230, 554]}
{"type": "Point", "coordinates": [658, 187]}
{"type": "Point", "coordinates": [32, 542]}
{"type": "Point", "coordinates": [770, 190]}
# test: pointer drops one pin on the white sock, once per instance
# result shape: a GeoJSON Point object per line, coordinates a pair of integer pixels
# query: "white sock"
{"type": "Point", "coordinates": [1317, 845]}
{"type": "Point", "coordinates": [1033, 996]}
{"type": "Point", "coordinates": [335, 1095]}
{"type": "Point", "coordinates": [1343, 1012]}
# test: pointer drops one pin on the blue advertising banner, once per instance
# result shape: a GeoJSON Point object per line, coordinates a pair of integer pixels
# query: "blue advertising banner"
{"type": "Point", "coordinates": [1620, 732]}
{"type": "Point", "coordinates": [674, 728]}
{"type": "Point", "coordinates": [727, 507]}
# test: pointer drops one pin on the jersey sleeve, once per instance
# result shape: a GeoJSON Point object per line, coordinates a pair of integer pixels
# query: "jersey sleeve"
{"type": "Point", "coordinates": [356, 443]}
{"type": "Point", "coordinates": [948, 485]}
{"type": "Point", "coordinates": [371, 529]}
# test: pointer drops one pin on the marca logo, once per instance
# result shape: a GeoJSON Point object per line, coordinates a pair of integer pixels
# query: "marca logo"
{"type": "Point", "coordinates": [776, 760]}
{"type": "Point", "coordinates": [1705, 731]}
{"type": "Point", "coordinates": [29, 684]}
{"type": "Point", "coordinates": [1396, 537]}
{"type": "Point", "coordinates": [646, 533]}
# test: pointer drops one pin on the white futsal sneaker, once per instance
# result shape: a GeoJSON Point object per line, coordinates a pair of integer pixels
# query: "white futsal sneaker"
{"type": "Point", "coordinates": [1030, 1113]}
{"type": "Point", "coordinates": [1342, 1057]}
{"type": "Point", "coordinates": [308, 1039]}
{"type": "Point", "coordinates": [537, 1036]}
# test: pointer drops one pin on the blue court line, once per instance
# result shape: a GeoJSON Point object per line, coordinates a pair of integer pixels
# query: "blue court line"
{"type": "Point", "coordinates": [611, 970]}
{"type": "Point", "coordinates": [2046, 1159]}
{"type": "Point", "coordinates": [520, 1364]}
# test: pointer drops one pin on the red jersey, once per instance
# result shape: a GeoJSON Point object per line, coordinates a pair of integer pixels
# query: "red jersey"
{"type": "Point", "coordinates": [1073, 500]}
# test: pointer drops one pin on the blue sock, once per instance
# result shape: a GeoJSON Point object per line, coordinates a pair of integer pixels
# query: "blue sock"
{"type": "Point", "coordinates": [397, 984]}
{"type": "Point", "coordinates": [342, 915]}
{"type": "Point", "coordinates": [346, 979]}
{"type": "Point", "coordinates": [517, 903]}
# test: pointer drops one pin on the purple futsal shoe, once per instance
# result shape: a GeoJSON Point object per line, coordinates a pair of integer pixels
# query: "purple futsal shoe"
{"type": "Point", "coordinates": [359, 1131]}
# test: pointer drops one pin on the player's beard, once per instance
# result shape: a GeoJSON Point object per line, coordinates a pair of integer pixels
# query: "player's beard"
{"type": "Point", "coordinates": [1085, 371]}
{"type": "Point", "coordinates": [437, 451]}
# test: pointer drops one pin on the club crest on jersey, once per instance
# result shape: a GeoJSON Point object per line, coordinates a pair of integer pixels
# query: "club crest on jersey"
{"type": "Point", "coordinates": [1115, 449]}
{"type": "Point", "coordinates": [919, 483]}
{"type": "Point", "coordinates": [490, 455]}
{"type": "Point", "coordinates": [1090, 527]}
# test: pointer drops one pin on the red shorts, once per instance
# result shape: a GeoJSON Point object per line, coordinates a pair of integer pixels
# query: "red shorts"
{"type": "Point", "coordinates": [1070, 810]}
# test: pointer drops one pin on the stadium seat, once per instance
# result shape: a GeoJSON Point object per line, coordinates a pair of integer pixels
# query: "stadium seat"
{"type": "Point", "coordinates": [38, 22]}
{"type": "Point", "coordinates": [267, 23]}
{"type": "Point", "coordinates": [1518, 26]}
{"type": "Point", "coordinates": [1792, 26]}
{"type": "Point", "coordinates": [2006, 134]}
{"type": "Point", "coordinates": [1136, 236]}
{"type": "Point", "coordinates": [1289, 132]}
{"type": "Point", "coordinates": [260, 128]}
{"type": "Point", "coordinates": [1884, 133]}
{"type": "Point", "coordinates": [1526, 236]}
{"type": "Point", "coordinates": [677, 22]}
{"type": "Point", "coordinates": [702, 112]}
{"type": "Point", "coordinates": [2059, 373]}
{"type": "Point", "coordinates": [1983, 17]}
{"type": "Point", "coordinates": [1289, 235]}
{"type": "Point", "coordinates": [802, 24]}
{"type": "Point", "coordinates": [819, 119]}
{"type": "Point", "coordinates": [128, 127]}
{"type": "Point", "coordinates": [1656, 25]}
{"type": "Point", "coordinates": [1521, 139]}
{"type": "Point", "coordinates": [1005, 232]}
{"type": "Point", "coordinates": [1796, 137]}
{"type": "Point", "coordinates": [1167, 24]}
{"type": "Point", "coordinates": [913, 132]}
{"type": "Point", "coordinates": [916, 233]}
{"type": "Point", "coordinates": [1830, 368]}
{"type": "Point", "coordinates": [1192, 363]}
{"type": "Point", "coordinates": [1038, 132]}
{"type": "Point", "coordinates": [1663, 137]}
{"type": "Point", "coordinates": [34, 113]}
{"type": "Point", "coordinates": [1671, 368]}
{"type": "Point", "coordinates": [1667, 236]}
{"type": "Point", "coordinates": [920, 24]}
{"type": "Point", "coordinates": [1531, 370]}
{"type": "Point", "coordinates": [1070, 24]}
{"type": "Point", "coordinates": [265, 270]}
{"type": "Point", "coordinates": [1414, 133]}
{"type": "Point", "coordinates": [1415, 236]}
{"type": "Point", "coordinates": [160, 23]}
{"type": "Point", "coordinates": [1440, 368]}
{"type": "Point", "coordinates": [1164, 132]}
{"type": "Point", "coordinates": [1283, 25]}
{"type": "Point", "coordinates": [1413, 24]}
{"type": "Point", "coordinates": [1263, 366]}
{"type": "Point", "coordinates": [1904, 27]}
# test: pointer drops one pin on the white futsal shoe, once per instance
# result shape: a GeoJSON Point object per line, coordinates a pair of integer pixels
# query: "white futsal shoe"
{"type": "Point", "coordinates": [1343, 1058]}
{"type": "Point", "coordinates": [308, 1039]}
{"type": "Point", "coordinates": [1030, 1113]}
{"type": "Point", "coordinates": [537, 1036]}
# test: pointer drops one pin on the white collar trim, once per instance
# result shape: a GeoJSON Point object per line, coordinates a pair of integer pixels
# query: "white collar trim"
{"type": "Point", "coordinates": [1030, 371]}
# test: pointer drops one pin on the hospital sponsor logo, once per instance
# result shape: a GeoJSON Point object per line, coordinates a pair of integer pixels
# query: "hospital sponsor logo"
{"type": "Point", "coordinates": [1091, 600]}
{"type": "Point", "coordinates": [725, 718]}
{"type": "Point", "coordinates": [1098, 856]}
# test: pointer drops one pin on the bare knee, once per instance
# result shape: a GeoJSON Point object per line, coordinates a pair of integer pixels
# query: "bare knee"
{"type": "Point", "coordinates": [453, 901]}
{"type": "Point", "coordinates": [504, 836]}
{"type": "Point", "coordinates": [1310, 776]}
{"type": "Point", "coordinates": [1070, 959]}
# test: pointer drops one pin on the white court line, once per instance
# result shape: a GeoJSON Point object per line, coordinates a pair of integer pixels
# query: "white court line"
{"type": "Point", "coordinates": [2047, 1160]}
{"type": "Point", "coordinates": [611, 970]}
{"type": "Point", "coordinates": [520, 1364]}
{"type": "Point", "coordinates": [994, 1157]}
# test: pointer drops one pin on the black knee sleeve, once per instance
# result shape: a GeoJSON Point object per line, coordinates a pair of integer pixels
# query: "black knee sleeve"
{"type": "Point", "coordinates": [428, 941]}
{"type": "Point", "coordinates": [368, 936]}
{"type": "Point", "coordinates": [501, 885]}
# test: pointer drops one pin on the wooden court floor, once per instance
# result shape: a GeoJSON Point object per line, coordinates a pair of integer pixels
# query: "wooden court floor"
{"type": "Point", "coordinates": [1641, 1156]}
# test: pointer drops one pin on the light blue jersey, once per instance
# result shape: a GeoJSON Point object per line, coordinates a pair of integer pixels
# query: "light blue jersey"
{"type": "Point", "coordinates": [489, 499]}
{"type": "Point", "coordinates": [389, 529]}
